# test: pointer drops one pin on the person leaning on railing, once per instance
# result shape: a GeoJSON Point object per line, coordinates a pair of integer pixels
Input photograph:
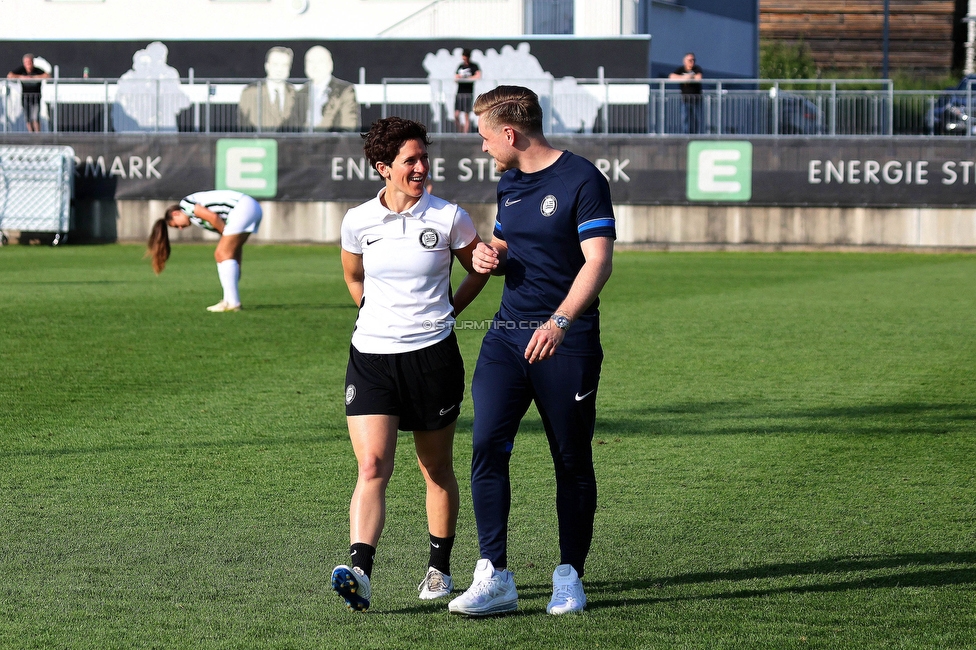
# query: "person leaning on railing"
{"type": "Point", "coordinates": [31, 97]}
{"type": "Point", "coordinates": [691, 91]}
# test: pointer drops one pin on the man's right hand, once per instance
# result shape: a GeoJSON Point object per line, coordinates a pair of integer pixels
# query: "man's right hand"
{"type": "Point", "coordinates": [484, 258]}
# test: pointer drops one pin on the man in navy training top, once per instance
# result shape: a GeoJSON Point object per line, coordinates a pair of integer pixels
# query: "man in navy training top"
{"type": "Point", "coordinates": [553, 242]}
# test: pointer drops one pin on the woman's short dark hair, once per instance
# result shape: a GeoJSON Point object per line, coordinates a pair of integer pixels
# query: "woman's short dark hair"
{"type": "Point", "coordinates": [386, 137]}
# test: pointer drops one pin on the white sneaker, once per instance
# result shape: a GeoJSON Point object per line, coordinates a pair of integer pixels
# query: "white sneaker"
{"type": "Point", "coordinates": [435, 585]}
{"type": "Point", "coordinates": [353, 585]}
{"type": "Point", "coordinates": [491, 592]}
{"type": "Point", "coordinates": [223, 306]}
{"type": "Point", "coordinates": [567, 591]}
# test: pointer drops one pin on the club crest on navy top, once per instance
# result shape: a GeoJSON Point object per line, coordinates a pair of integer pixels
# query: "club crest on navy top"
{"type": "Point", "coordinates": [549, 205]}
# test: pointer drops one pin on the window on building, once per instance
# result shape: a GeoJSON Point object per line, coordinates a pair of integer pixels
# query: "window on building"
{"type": "Point", "coordinates": [549, 16]}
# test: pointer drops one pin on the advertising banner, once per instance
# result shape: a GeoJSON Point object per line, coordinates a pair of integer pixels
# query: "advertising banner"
{"type": "Point", "coordinates": [622, 57]}
{"type": "Point", "coordinates": [909, 172]}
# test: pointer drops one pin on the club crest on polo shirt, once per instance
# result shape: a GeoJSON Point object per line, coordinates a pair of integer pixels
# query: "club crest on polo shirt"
{"type": "Point", "coordinates": [350, 394]}
{"type": "Point", "coordinates": [428, 238]}
{"type": "Point", "coordinates": [548, 206]}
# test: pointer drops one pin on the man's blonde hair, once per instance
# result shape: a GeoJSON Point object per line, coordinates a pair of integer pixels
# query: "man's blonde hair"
{"type": "Point", "coordinates": [513, 105]}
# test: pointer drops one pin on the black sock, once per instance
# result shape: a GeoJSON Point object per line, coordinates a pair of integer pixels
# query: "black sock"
{"type": "Point", "coordinates": [440, 553]}
{"type": "Point", "coordinates": [362, 556]}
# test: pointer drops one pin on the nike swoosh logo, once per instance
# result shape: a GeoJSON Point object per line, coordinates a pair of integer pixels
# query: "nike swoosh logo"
{"type": "Point", "coordinates": [352, 553]}
{"type": "Point", "coordinates": [435, 545]}
{"type": "Point", "coordinates": [448, 409]}
{"type": "Point", "coordinates": [580, 398]}
{"type": "Point", "coordinates": [509, 202]}
{"type": "Point", "coordinates": [370, 242]}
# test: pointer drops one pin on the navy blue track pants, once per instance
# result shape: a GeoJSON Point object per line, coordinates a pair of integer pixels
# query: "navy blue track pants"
{"type": "Point", "coordinates": [564, 390]}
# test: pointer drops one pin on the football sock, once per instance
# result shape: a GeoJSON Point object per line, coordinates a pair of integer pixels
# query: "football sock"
{"type": "Point", "coordinates": [362, 556]}
{"type": "Point", "coordinates": [440, 553]}
{"type": "Point", "coordinates": [229, 272]}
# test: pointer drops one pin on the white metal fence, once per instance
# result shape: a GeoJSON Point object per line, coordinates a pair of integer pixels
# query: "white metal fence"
{"type": "Point", "coordinates": [36, 186]}
{"type": "Point", "coordinates": [586, 106]}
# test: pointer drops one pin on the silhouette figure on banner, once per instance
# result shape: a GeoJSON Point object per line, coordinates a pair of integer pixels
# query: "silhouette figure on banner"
{"type": "Point", "coordinates": [270, 104]}
{"type": "Point", "coordinates": [568, 107]}
{"type": "Point", "coordinates": [149, 97]}
{"type": "Point", "coordinates": [328, 102]}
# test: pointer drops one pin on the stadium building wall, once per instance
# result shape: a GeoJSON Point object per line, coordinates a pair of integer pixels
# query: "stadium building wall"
{"type": "Point", "coordinates": [723, 35]}
{"type": "Point", "coordinates": [74, 35]}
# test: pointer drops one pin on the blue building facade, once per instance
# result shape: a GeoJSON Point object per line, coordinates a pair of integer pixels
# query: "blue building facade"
{"type": "Point", "coordinates": [723, 34]}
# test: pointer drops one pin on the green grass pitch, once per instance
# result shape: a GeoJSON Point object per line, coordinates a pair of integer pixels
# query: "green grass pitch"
{"type": "Point", "coordinates": [785, 454]}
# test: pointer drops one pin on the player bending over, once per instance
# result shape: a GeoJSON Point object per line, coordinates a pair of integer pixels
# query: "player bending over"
{"type": "Point", "coordinates": [233, 215]}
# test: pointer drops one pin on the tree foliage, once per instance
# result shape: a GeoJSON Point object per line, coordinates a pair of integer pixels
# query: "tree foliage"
{"type": "Point", "coordinates": [781, 60]}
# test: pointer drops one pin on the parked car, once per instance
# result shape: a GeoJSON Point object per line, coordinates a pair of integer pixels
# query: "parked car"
{"type": "Point", "coordinates": [950, 114]}
{"type": "Point", "coordinates": [799, 116]}
{"type": "Point", "coordinates": [781, 112]}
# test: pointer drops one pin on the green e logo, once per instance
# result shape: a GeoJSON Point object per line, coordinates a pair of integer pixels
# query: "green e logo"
{"type": "Point", "coordinates": [719, 171]}
{"type": "Point", "coordinates": [249, 166]}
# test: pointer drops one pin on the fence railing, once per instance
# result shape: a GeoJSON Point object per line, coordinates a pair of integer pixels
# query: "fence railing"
{"type": "Point", "coordinates": [585, 106]}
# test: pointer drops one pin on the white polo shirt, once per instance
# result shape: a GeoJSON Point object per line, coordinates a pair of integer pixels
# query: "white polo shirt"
{"type": "Point", "coordinates": [407, 260]}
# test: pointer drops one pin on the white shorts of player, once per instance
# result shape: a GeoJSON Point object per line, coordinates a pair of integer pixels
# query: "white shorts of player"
{"type": "Point", "coordinates": [245, 217]}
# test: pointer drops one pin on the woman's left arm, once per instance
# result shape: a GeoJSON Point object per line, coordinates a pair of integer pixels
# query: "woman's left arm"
{"type": "Point", "coordinates": [473, 282]}
{"type": "Point", "coordinates": [200, 210]}
{"type": "Point", "coordinates": [354, 274]}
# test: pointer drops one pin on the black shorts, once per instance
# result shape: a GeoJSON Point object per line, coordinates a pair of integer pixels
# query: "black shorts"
{"type": "Point", "coordinates": [423, 387]}
{"type": "Point", "coordinates": [463, 102]}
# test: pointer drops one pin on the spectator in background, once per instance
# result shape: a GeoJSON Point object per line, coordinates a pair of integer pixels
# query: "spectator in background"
{"type": "Point", "coordinates": [330, 102]}
{"type": "Point", "coordinates": [31, 96]}
{"type": "Point", "coordinates": [269, 105]}
{"type": "Point", "coordinates": [466, 73]}
{"type": "Point", "coordinates": [691, 91]}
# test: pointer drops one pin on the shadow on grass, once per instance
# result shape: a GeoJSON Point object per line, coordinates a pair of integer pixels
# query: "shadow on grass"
{"type": "Point", "coordinates": [832, 574]}
{"type": "Point", "coordinates": [741, 417]}
{"type": "Point", "coordinates": [440, 607]}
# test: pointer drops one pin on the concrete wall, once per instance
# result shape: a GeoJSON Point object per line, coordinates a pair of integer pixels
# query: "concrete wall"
{"type": "Point", "coordinates": [797, 226]}
{"type": "Point", "coordinates": [654, 226]}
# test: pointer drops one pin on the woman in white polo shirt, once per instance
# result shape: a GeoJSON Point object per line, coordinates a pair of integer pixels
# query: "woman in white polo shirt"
{"type": "Point", "coordinates": [405, 370]}
{"type": "Point", "coordinates": [233, 215]}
